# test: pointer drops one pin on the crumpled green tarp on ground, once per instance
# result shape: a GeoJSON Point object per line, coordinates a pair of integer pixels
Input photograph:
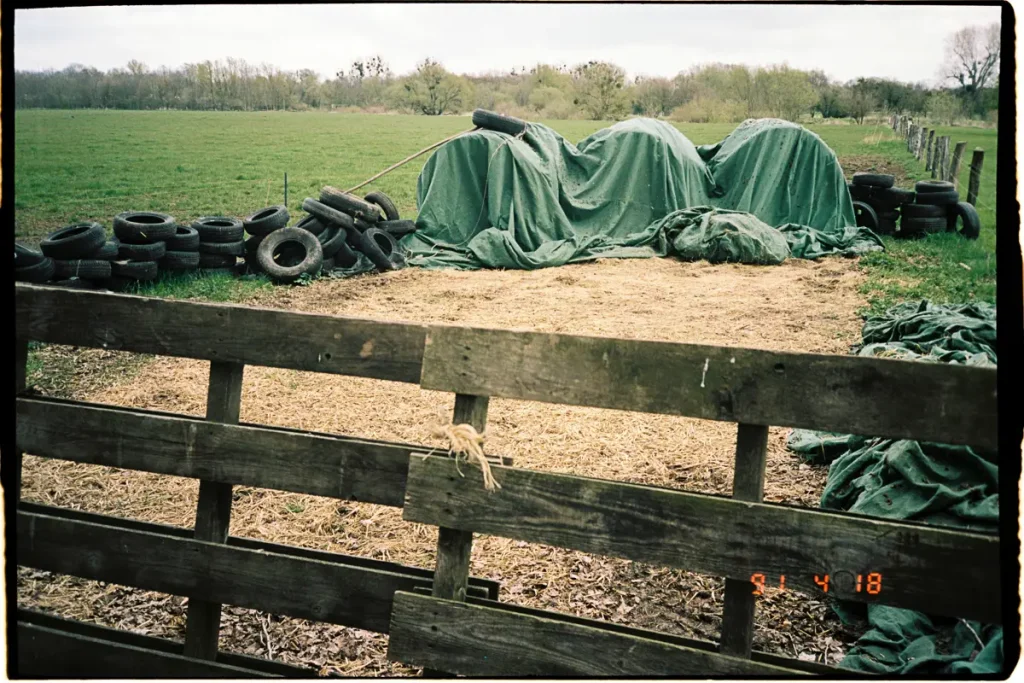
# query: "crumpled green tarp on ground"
{"type": "Point", "coordinates": [924, 482]}
{"type": "Point", "coordinates": [491, 200]}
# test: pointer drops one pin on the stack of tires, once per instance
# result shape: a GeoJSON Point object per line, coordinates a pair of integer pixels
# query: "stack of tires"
{"type": "Point", "coordinates": [220, 244]}
{"type": "Point", "coordinates": [938, 209]}
{"type": "Point", "coordinates": [876, 203]}
{"type": "Point", "coordinates": [370, 226]}
{"type": "Point", "coordinates": [78, 255]}
{"type": "Point", "coordinates": [258, 225]}
{"type": "Point", "coordinates": [182, 255]}
{"type": "Point", "coordinates": [143, 237]}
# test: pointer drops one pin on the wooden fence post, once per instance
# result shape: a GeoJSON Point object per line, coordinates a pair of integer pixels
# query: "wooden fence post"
{"type": "Point", "coordinates": [977, 159]}
{"type": "Point", "coordinates": [455, 547]}
{"type": "Point", "coordinates": [954, 166]}
{"type": "Point", "coordinates": [928, 157]}
{"type": "Point", "coordinates": [748, 485]}
{"type": "Point", "coordinates": [944, 170]}
{"type": "Point", "coordinates": [213, 515]}
{"type": "Point", "coordinates": [920, 143]}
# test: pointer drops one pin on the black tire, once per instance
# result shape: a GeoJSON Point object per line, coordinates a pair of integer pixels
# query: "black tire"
{"type": "Point", "coordinates": [327, 266]}
{"type": "Point", "coordinates": [348, 203]}
{"type": "Point", "coordinates": [866, 215]}
{"type": "Point", "coordinates": [266, 221]}
{"type": "Point", "coordinates": [945, 198]}
{"type": "Point", "coordinates": [24, 256]}
{"type": "Point", "coordinates": [77, 241]}
{"type": "Point", "coordinates": [922, 226]}
{"type": "Point", "coordinates": [926, 186]}
{"type": "Point", "coordinates": [287, 254]}
{"type": "Point", "coordinates": [223, 248]}
{"type": "Point", "coordinates": [490, 120]}
{"type": "Point", "coordinates": [144, 227]}
{"type": "Point", "coordinates": [888, 215]}
{"type": "Point", "coordinates": [185, 238]}
{"type": "Point", "coordinates": [219, 229]}
{"type": "Point", "coordinates": [886, 226]}
{"type": "Point", "coordinates": [217, 260]}
{"type": "Point", "coordinates": [142, 252]}
{"type": "Point", "coordinates": [253, 243]}
{"type": "Point", "coordinates": [180, 260]}
{"type": "Point", "coordinates": [135, 270]}
{"type": "Point", "coordinates": [874, 179]}
{"type": "Point", "coordinates": [894, 196]}
{"type": "Point", "coordinates": [385, 204]}
{"type": "Point", "coordinates": [77, 283]}
{"type": "Point", "coordinates": [398, 229]}
{"type": "Point", "coordinates": [331, 240]}
{"type": "Point", "coordinates": [41, 271]}
{"type": "Point", "coordinates": [311, 224]}
{"type": "Point", "coordinates": [861, 192]}
{"type": "Point", "coordinates": [965, 221]}
{"type": "Point", "coordinates": [379, 246]}
{"type": "Point", "coordinates": [108, 252]}
{"type": "Point", "coordinates": [87, 269]}
{"type": "Point", "coordinates": [328, 214]}
{"type": "Point", "coordinates": [924, 211]}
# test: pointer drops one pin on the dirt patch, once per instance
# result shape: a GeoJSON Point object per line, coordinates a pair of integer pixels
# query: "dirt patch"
{"type": "Point", "coordinates": [798, 306]}
{"type": "Point", "coordinates": [871, 163]}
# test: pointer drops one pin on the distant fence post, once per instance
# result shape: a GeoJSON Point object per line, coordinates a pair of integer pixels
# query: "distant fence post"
{"type": "Point", "coordinates": [954, 167]}
{"type": "Point", "coordinates": [944, 167]}
{"type": "Point", "coordinates": [928, 156]}
{"type": "Point", "coordinates": [975, 181]}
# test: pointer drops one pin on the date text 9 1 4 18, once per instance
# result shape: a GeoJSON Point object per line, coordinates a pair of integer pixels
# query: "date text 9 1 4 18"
{"type": "Point", "coordinates": [872, 584]}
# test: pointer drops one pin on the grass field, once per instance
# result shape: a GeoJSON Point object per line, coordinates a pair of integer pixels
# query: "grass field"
{"type": "Point", "coordinates": [91, 165]}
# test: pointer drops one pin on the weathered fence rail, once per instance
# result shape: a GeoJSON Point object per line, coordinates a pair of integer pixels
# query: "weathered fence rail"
{"type": "Point", "coordinates": [444, 619]}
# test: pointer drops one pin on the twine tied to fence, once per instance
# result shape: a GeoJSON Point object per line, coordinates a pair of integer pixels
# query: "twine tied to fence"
{"type": "Point", "coordinates": [465, 443]}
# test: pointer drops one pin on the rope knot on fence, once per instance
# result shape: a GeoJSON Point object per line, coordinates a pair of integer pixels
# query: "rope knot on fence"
{"type": "Point", "coordinates": [466, 444]}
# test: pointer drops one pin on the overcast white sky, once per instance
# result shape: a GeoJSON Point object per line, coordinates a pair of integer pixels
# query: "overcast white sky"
{"type": "Point", "coordinates": [902, 42]}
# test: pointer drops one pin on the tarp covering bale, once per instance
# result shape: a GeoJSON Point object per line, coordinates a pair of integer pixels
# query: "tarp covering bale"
{"type": "Point", "coordinates": [489, 199]}
{"type": "Point", "coordinates": [939, 484]}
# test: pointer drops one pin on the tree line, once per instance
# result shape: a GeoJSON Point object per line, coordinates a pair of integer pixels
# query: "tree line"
{"type": "Point", "coordinates": [594, 90]}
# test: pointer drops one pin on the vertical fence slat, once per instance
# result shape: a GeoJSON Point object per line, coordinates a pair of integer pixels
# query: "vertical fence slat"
{"type": "Point", "coordinates": [954, 166]}
{"type": "Point", "coordinates": [20, 372]}
{"type": "Point", "coordinates": [213, 515]}
{"type": "Point", "coordinates": [974, 184]}
{"type": "Point", "coordinates": [455, 547]}
{"type": "Point", "coordinates": [929, 152]}
{"type": "Point", "coordinates": [748, 485]}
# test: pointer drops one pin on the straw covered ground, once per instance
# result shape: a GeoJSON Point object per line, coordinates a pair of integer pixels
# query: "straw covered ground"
{"type": "Point", "coordinates": [798, 306]}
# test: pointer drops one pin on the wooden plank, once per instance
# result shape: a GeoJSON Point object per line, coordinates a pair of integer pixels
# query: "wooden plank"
{"type": "Point", "coordinates": [51, 653]}
{"type": "Point", "coordinates": [478, 587]}
{"type": "Point", "coordinates": [954, 166]}
{"type": "Point", "coordinates": [269, 667]}
{"type": "Point", "coordinates": [931, 142]}
{"type": "Point", "coordinates": [20, 371]}
{"type": "Point", "coordinates": [756, 655]}
{"type": "Point", "coordinates": [213, 513]}
{"type": "Point", "coordinates": [921, 567]}
{"type": "Point", "coordinates": [847, 394]}
{"type": "Point", "coordinates": [231, 333]}
{"type": "Point", "coordinates": [279, 584]}
{"type": "Point", "coordinates": [482, 641]}
{"type": "Point", "coordinates": [748, 485]}
{"type": "Point", "coordinates": [974, 183]}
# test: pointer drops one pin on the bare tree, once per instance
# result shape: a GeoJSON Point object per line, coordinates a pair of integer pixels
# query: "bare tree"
{"type": "Point", "coordinates": [972, 60]}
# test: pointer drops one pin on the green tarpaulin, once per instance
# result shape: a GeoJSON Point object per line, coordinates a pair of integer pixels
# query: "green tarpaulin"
{"type": "Point", "coordinates": [953, 486]}
{"type": "Point", "coordinates": [637, 189]}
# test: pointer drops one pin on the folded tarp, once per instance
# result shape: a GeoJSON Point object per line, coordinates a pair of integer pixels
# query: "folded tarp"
{"type": "Point", "coordinates": [489, 199]}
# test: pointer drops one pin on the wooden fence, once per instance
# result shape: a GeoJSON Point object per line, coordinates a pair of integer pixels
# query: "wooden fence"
{"type": "Point", "coordinates": [443, 619]}
{"type": "Point", "coordinates": [943, 164]}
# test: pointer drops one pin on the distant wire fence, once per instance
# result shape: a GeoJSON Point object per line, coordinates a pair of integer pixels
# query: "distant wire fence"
{"type": "Point", "coordinates": [943, 163]}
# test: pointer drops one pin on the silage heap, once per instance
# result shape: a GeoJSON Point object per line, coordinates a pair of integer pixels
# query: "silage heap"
{"type": "Point", "coordinates": [768, 191]}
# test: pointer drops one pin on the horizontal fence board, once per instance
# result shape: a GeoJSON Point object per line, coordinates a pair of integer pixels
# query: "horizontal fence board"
{"type": "Point", "coordinates": [472, 640]}
{"type": "Point", "coordinates": [706, 645]}
{"type": "Point", "coordinates": [185, 446]}
{"type": "Point", "coordinates": [936, 570]}
{"type": "Point", "coordinates": [278, 584]}
{"type": "Point", "coordinates": [849, 394]}
{"type": "Point", "coordinates": [239, 334]}
{"type": "Point", "coordinates": [268, 667]}
{"type": "Point", "coordinates": [478, 587]}
{"type": "Point", "coordinates": [51, 653]}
